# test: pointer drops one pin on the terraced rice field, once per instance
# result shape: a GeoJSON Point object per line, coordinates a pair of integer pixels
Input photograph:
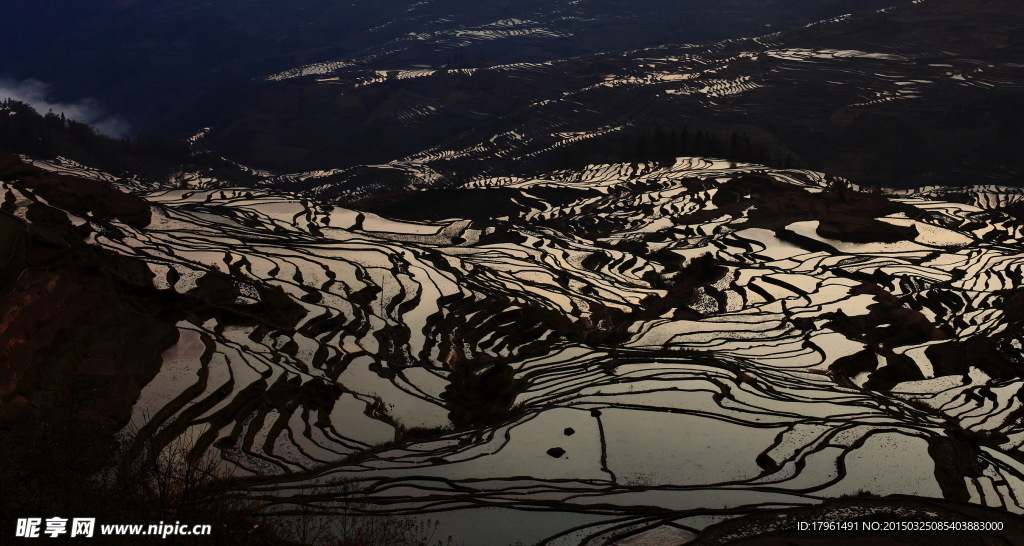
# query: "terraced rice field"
{"type": "Point", "coordinates": [668, 348]}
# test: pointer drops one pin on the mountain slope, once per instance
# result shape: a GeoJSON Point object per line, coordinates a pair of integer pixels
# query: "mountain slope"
{"type": "Point", "coordinates": [782, 338]}
{"type": "Point", "coordinates": [922, 94]}
{"type": "Point", "coordinates": [178, 65]}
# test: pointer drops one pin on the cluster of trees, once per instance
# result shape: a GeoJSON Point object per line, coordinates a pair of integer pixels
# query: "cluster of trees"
{"type": "Point", "coordinates": [664, 145]}
{"type": "Point", "coordinates": [25, 131]}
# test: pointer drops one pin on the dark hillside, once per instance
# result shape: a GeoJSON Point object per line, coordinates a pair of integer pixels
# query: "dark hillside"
{"type": "Point", "coordinates": [922, 94]}
{"type": "Point", "coordinates": [175, 66]}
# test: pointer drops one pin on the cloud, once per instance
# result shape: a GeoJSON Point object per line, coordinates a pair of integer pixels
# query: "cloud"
{"type": "Point", "coordinates": [36, 94]}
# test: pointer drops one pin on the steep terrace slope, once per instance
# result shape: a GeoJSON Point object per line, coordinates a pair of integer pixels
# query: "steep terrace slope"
{"type": "Point", "coordinates": [626, 346]}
